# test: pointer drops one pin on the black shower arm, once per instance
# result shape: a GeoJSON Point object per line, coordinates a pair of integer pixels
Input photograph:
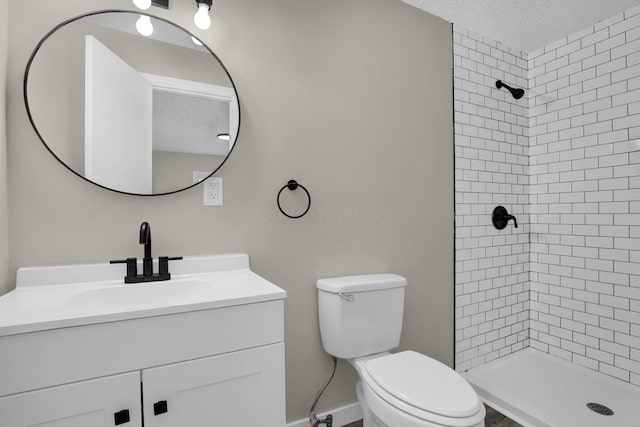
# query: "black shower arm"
{"type": "Point", "coordinates": [501, 84]}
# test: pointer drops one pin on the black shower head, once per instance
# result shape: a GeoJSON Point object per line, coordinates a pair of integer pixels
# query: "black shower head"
{"type": "Point", "coordinates": [517, 93]}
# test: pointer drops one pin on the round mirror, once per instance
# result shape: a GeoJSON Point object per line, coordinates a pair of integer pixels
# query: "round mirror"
{"type": "Point", "coordinates": [131, 102]}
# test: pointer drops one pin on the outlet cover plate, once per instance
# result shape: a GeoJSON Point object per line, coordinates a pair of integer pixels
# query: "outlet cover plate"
{"type": "Point", "coordinates": [212, 191]}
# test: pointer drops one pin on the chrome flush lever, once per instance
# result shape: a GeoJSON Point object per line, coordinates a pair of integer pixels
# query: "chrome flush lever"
{"type": "Point", "coordinates": [348, 297]}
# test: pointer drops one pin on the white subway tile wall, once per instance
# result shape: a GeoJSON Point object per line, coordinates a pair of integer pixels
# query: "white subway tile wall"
{"type": "Point", "coordinates": [491, 169]}
{"type": "Point", "coordinates": [584, 190]}
{"type": "Point", "coordinates": [566, 160]}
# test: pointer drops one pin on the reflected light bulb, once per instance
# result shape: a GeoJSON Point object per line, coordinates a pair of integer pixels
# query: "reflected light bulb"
{"type": "Point", "coordinates": [144, 25]}
{"type": "Point", "coordinates": [202, 18]}
{"type": "Point", "coordinates": [196, 41]}
{"type": "Point", "coordinates": [142, 4]}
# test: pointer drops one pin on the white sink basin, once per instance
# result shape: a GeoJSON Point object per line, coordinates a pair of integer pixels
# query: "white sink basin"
{"type": "Point", "coordinates": [55, 297]}
{"type": "Point", "coordinates": [177, 291]}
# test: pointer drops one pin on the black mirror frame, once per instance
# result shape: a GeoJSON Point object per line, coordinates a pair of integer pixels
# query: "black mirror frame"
{"type": "Point", "coordinates": [98, 12]}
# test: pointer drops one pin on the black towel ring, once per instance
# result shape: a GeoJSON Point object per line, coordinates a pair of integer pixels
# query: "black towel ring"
{"type": "Point", "coordinates": [293, 185]}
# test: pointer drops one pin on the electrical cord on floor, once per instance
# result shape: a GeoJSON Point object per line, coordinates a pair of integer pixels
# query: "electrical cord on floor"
{"type": "Point", "coordinates": [312, 416]}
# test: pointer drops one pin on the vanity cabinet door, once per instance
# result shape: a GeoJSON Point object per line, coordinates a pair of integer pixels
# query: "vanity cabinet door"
{"type": "Point", "coordinates": [103, 402]}
{"type": "Point", "coordinates": [243, 388]}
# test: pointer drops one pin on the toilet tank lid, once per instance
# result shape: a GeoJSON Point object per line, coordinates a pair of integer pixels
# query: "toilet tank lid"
{"type": "Point", "coordinates": [361, 283]}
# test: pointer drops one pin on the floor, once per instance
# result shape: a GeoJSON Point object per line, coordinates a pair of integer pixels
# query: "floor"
{"type": "Point", "coordinates": [493, 419]}
{"type": "Point", "coordinates": [496, 419]}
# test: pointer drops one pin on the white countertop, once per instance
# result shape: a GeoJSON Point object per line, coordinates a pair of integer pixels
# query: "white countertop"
{"type": "Point", "coordinates": [58, 297]}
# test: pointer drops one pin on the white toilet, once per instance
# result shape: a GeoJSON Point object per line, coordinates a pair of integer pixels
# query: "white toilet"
{"type": "Point", "coordinates": [361, 320]}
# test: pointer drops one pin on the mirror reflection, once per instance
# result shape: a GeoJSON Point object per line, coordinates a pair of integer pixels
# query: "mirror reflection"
{"type": "Point", "coordinates": [132, 113]}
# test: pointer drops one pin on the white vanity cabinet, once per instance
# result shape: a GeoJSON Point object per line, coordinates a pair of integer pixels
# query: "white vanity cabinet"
{"type": "Point", "coordinates": [237, 389]}
{"type": "Point", "coordinates": [216, 361]}
{"type": "Point", "coordinates": [93, 403]}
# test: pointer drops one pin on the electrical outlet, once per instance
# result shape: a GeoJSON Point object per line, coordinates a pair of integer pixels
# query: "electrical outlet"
{"type": "Point", "coordinates": [212, 191]}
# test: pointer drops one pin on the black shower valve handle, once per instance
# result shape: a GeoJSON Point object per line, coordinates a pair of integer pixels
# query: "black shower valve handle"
{"type": "Point", "coordinates": [501, 218]}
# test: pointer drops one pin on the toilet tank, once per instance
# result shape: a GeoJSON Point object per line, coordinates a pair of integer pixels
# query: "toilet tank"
{"type": "Point", "coordinates": [360, 315]}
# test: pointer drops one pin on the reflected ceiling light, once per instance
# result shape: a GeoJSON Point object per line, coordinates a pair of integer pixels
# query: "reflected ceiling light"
{"type": "Point", "coordinates": [144, 25]}
{"type": "Point", "coordinates": [142, 4]}
{"type": "Point", "coordinates": [223, 136]}
{"type": "Point", "coordinates": [202, 18]}
{"type": "Point", "coordinates": [196, 41]}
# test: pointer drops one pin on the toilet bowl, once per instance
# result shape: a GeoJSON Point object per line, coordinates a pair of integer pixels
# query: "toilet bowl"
{"type": "Point", "coordinates": [409, 389]}
{"type": "Point", "coordinates": [360, 321]}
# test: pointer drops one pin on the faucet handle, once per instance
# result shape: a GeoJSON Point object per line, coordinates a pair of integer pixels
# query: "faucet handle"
{"type": "Point", "coordinates": [163, 264]}
{"type": "Point", "coordinates": [132, 265]}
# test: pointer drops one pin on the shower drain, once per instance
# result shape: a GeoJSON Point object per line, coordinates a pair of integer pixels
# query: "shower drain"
{"type": "Point", "coordinates": [599, 408]}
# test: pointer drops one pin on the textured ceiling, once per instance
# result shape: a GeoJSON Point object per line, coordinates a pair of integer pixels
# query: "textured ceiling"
{"type": "Point", "coordinates": [525, 25]}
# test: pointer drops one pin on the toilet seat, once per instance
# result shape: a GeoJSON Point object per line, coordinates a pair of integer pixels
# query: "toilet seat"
{"type": "Point", "coordinates": [423, 388]}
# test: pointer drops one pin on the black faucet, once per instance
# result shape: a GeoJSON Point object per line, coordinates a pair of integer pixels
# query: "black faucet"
{"type": "Point", "coordinates": [145, 239]}
{"type": "Point", "coordinates": [147, 262]}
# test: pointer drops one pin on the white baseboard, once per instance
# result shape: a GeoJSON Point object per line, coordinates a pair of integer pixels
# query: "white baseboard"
{"type": "Point", "coordinates": [341, 416]}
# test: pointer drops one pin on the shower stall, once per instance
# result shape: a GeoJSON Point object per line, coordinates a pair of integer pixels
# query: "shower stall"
{"type": "Point", "coordinates": [564, 159]}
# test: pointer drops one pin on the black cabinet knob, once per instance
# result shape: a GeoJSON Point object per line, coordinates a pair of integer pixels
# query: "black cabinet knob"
{"type": "Point", "coordinates": [121, 417]}
{"type": "Point", "coordinates": [160, 407]}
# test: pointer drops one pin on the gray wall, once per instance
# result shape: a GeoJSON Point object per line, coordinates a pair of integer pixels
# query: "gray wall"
{"type": "Point", "coordinates": [352, 98]}
{"type": "Point", "coordinates": [4, 211]}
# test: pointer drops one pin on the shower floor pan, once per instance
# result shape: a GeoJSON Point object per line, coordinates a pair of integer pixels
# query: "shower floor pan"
{"type": "Point", "coordinates": [539, 390]}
